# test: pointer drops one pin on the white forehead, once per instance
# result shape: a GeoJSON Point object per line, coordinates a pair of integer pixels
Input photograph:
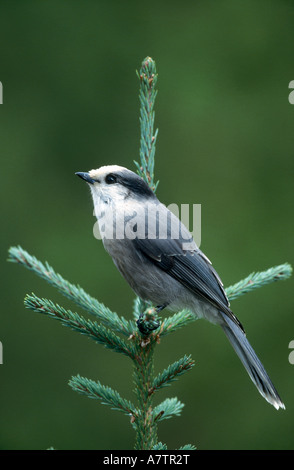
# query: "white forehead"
{"type": "Point", "coordinates": [104, 170]}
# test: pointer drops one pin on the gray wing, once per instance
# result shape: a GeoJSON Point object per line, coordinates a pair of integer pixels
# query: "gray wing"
{"type": "Point", "coordinates": [189, 266]}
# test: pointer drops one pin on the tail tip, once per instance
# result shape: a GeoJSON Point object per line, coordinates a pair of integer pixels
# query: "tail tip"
{"type": "Point", "coordinates": [276, 402]}
{"type": "Point", "coordinates": [279, 405]}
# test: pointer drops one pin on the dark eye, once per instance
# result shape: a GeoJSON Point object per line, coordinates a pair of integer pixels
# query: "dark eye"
{"type": "Point", "coordinates": [110, 179]}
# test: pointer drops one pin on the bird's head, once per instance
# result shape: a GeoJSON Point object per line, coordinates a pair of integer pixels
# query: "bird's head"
{"type": "Point", "coordinates": [116, 184]}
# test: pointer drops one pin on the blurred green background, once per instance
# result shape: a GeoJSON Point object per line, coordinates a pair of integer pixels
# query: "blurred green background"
{"type": "Point", "coordinates": [225, 142]}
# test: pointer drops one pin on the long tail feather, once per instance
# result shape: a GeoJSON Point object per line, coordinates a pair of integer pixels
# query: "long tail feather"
{"type": "Point", "coordinates": [252, 364]}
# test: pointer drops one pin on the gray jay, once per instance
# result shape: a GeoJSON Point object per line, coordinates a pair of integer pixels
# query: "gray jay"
{"type": "Point", "coordinates": [159, 259]}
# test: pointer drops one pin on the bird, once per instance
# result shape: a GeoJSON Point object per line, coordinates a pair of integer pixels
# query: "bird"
{"type": "Point", "coordinates": [159, 259]}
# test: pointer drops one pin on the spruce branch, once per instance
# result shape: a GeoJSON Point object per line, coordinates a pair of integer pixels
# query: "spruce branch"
{"type": "Point", "coordinates": [188, 447]}
{"type": "Point", "coordinates": [167, 409]}
{"type": "Point", "coordinates": [93, 330]}
{"type": "Point", "coordinates": [107, 395]}
{"type": "Point", "coordinates": [147, 95]}
{"type": "Point", "coordinates": [159, 446]}
{"type": "Point", "coordinates": [177, 320]}
{"type": "Point", "coordinates": [75, 293]}
{"type": "Point", "coordinates": [259, 279]}
{"type": "Point", "coordinates": [171, 373]}
{"type": "Point", "coordinates": [146, 426]}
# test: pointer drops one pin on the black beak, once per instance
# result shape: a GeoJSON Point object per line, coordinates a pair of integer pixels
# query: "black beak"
{"type": "Point", "coordinates": [85, 176]}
